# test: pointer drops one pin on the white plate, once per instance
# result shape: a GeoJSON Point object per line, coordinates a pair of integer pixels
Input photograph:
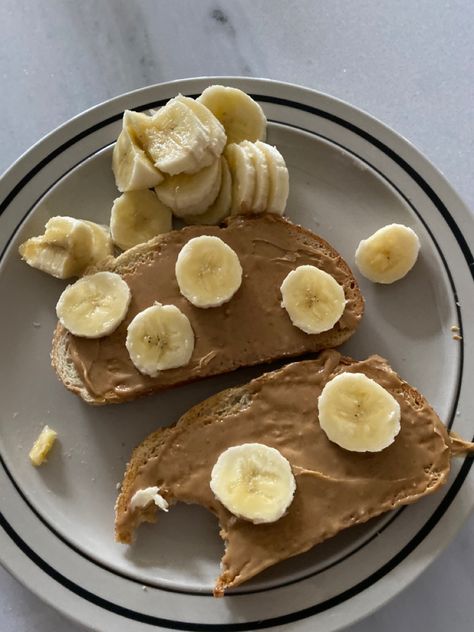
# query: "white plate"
{"type": "Point", "coordinates": [349, 175]}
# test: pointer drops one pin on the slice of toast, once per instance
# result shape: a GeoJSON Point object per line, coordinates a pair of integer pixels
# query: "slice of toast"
{"type": "Point", "coordinates": [251, 328]}
{"type": "Point", "coordinates": [335, 488]}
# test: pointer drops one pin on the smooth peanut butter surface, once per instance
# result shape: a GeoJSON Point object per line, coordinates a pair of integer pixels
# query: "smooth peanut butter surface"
{"type": "Point", "coordinates": [335, 488]}
{"type": "Point", "coordinates": [251, 328]}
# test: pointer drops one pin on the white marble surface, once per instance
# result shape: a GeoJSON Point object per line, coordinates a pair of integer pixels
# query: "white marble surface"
{"type": "Point", "coordinates": [408, 63]}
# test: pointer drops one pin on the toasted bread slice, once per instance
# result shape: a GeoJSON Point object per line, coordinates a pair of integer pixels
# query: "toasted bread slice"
{"type": "Point", "coordinates": [251, 328]}
{"type": "Point", "coordinates": [335, 488]}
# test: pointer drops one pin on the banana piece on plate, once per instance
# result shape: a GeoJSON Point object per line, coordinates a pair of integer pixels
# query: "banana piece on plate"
{"type": "Point", "coordinates": [68, 233]}
{"type": "Point", "coordinates": [215, 129]}
{"type": "Point", "coordinates": [313, 299]}
{"type": "Point", "coordinates": [358, 414]}
{"type": "Point", "coordinates": [95, 305]}
{"type": "Point", "coordinates": [174, 138]}
{"type": "Point", "coordinates": [160, 338]}
{"type": "Point", "coordinates": [242, 169]}
{"type": "Point", "coordinates": [221, 207]}
{"type": "Point", "coordinates": [279, 179]}
{"type": "Point", "coordinates": [260, 201]}
{"type": "Point", "coordinates": [102, 244]}
{"type": "Point", "coordinates": [260, 181]}
{"type": "Point", "coordinates": [191, 194]}
{"type": "Point", "coordinates": [208, 271]}
{"type": "Point", "coordinates": [136, 217]}
{"type": "Point", "coordinates": [67, 247]}
{"type": "Point", "coordinates": [389, 254]}
{"type": "Point", "coordinates": [241, 116]}
{"type": "Point", "coordinates": [133, 169]}
{"type": "Point", "coordinates": [66, 254]}
{"type": "Point", "coordinates": [253, 481]}
{"type": "Point", "coordinates": [42, 446]}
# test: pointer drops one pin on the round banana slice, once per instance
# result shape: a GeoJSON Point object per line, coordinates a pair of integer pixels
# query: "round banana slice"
{"type": "Point", "coordinates": [244, 178]}
{"type": "Point", "coordinates": [241, 116]}
{"type": "Point", "coordinates": [389, 254]}
{"type": "Point", "coordinates": [191, 194]}
{"type": "Point", "coordinates": [358, 414]}
{"type": "Point", "coordinates": [279, 179]}
{"type": "Point", "coordinates": [208, 271]}
{"type": "Point", "coordinates": [174, 138]}
{"type": "Point", "coordinates": [132, 168]}
{"type": "Point", "coordinates": [262, 176]}
{"type": "Point", "coordinates": [95, 305]}
{"type": "Point", "coordinates": [221, 207]}
{"type": "Point", "coordinates": [136, 217]}
{"type": "Point", "coordinates": [253, 481]}
{"type": "Point", "coordinates": [160, 338]}
{"type": "Point", "coordinates": [313, 299]}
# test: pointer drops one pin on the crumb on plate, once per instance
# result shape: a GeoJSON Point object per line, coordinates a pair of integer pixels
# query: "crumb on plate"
{"type": "Point", "coordinates": [42, 446]}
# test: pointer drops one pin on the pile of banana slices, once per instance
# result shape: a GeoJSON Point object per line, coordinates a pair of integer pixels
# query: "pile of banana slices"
{"type": "Point", "coordinates": [198, 160]}
{"type": "Point", "coordinates": [204, 158]}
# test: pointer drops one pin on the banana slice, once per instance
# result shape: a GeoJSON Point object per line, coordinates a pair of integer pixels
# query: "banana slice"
{"type": "Point", "coordinates": [313, 299]}
{"type": "Point", "coordinates": [253, 481]}
{"type": "Point", "coordinates": [389, 254]}
{"type": "Point", "coordinates": [160, 338]}
{"type": "Point", "coordinates": [215, 129]}
{"type": "Point", "coordinates": [279, 179]}
{"type": "Point", "coordinates": [102, 244]}
{"type": "Point", "coordinates": [358, 414]}
{"type": "Point", "coordinates": [136, 217]}
{"type": "Point", "coordinates": [95, 305]}
{"type": "Point", "coordinates": [174, 138]}
{"type": "Point", "coordinates": [87, 241]}
{"type": "Point", "coordinates": [53, 260]}
{"type": "Point", "coordinates": [42, 446]}
{"type": "Point", "coordinates": [63, 250]}
{"type": "Point", "coordinates": [191, 194]}
{"type": "Point", "coordinates": [244, 178]}
{"type": "Point", "coordinates": [132, 168]}
{"type": "Point", "coordinates": [262, 176]}
{"type": "Point", "coordinates": [67, 247]}
{"type": "Point", "coordinates": [208, 271]}
{"type": "Point", "coordinates": [221, 207]}
{"type": "Point", "coordinates": [241, 116]}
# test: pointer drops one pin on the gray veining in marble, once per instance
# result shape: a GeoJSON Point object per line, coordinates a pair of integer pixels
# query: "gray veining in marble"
{"type": "Point", "coordinates": [409, 63]}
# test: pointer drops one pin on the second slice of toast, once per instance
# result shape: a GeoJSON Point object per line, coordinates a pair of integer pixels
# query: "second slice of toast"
{"type": "Point", "coordinates": [335, 488]}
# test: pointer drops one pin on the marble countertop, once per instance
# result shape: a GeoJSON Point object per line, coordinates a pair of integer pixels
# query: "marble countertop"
{"type": "Point", "coordinates": [407, 63]}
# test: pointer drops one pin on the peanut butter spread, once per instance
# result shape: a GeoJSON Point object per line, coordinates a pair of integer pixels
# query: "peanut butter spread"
{"type": "Point", "coordinates": [251, 328]}
{"type": "Point", "coordinates": [335, 488]}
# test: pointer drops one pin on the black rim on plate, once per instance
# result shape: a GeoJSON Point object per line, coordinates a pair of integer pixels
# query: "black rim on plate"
{"type": "Point", "coordinates": [394, 561]}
